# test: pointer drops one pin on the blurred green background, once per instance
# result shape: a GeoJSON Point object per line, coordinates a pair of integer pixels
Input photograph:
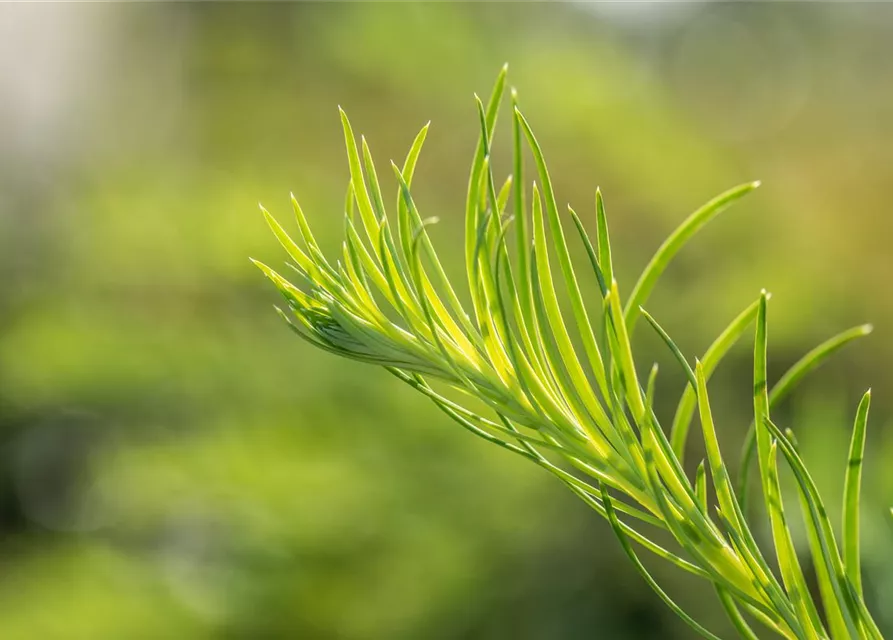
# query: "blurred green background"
{"type": "Point", "coordinates": [175, 464]}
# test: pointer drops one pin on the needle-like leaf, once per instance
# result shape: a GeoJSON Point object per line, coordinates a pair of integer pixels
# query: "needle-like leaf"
{"type": "Point", "coordinates": [851, 488]}
{"type": "Point", "coordinates": [672, 245]}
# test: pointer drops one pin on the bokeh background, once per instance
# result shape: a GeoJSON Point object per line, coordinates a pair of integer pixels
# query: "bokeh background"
{"type": "Point", "coordinates": [175, 464]}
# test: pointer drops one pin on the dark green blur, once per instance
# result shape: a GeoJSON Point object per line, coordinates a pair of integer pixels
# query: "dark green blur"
{"type": "Point", "coordinates": [175, 464]}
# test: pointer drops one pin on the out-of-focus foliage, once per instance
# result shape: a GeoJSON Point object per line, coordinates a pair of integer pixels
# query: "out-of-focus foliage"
{"type": "Point", "coordinates": [176, 465]}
